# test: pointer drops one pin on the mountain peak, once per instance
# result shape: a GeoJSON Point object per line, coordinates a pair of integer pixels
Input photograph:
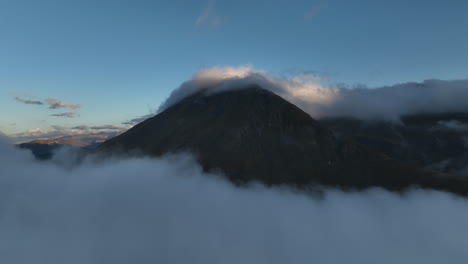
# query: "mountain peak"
{"type": "Point", "coordinates": [248, 133]}
{"type": "Point", "coordinates": [253, 134]}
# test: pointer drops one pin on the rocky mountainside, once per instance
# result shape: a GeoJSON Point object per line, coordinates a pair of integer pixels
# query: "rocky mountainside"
{"type": "Point", "coordinates": [254, 134]}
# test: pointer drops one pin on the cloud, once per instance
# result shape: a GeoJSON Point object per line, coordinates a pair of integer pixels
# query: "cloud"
{"type": "Point", "coordinates": [28, 101]}
{"type": "Point", "coordinates": [137, 120]}
{"type": "Point", "coordinates": [102, 127]}
{"type": "Point", "coordinates": [207, 78]}
{"type": "Point", "coordinates": [314, 11]}
{"type": "Point", "coordinates": [209, 15]}
{"type": "Point", "coordinates": [81, 127]}
{"type": "Point", "coordinates": [110, 127]}
{"type": "Point", "coordinates": [168, 211]}
{"type": "Point", "coordinates": [68, 114]}
{"type": "Point", "coordinates": [55, 103]}
{"type": "Point", "coordinates": [60, 131]}
{"type": "Point", "coordinates": [320, 101]}
{"type": "Point", "coordinates": [25, 94]}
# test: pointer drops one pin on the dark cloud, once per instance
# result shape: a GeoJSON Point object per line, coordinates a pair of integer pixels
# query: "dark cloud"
{"type": "Point", "coordinates": [168, 211]}
{"type": "Point", "coordinates": [82, 127]}
{"type": "Point", "coordinates": [68, 114]}
{"type": "Point", "coordinates": [28, 101]}
{"type": "Point", "coordinates": [55, 103]}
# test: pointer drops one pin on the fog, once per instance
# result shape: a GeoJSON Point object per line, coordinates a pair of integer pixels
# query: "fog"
{"type": "Point", "coordinates": [141, 210]}
{"type": "Point", "coordinates": [308, 92]}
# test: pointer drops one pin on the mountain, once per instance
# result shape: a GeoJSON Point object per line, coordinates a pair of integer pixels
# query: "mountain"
{"type": "Point", "coordinates": [254, 134]}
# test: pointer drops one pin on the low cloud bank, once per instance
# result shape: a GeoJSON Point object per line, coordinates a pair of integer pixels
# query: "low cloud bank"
{"type": "Point", "coordinates": [140, 210]}
{"type": "Point", "coordinates": [307, 92]}
{"type": "Point", "coordinates": [99, 132]}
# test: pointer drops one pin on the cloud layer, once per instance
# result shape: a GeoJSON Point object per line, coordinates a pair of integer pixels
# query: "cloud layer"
{"type": "Point", "coordinates": [307, 92]}
{"type": "Point", "coordinates": [168, 211]}
{"type": "Point", "coordinates": [99, 132]}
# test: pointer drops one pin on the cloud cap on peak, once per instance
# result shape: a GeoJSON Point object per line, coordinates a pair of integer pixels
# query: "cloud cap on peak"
{"type": "Point", "coordinates": [320, 101]}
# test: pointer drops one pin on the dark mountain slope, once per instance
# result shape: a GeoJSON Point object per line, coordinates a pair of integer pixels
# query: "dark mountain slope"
{"type": "Point", "coordinates": [253, 134]}
{"type": "Point", "coordinates": [427, 140]}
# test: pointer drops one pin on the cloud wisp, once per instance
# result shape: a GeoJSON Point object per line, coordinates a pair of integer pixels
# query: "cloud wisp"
{"type": "Point", "coordinates": [168, 211]}
{"type": "Point", "coordinates": [108, 127]}
{"type": "Point", "coordinates": [320, 101]}
{"type": "Point", "coordinates": [314, 11]}
{"type": "Point", "coordinates": [137, 120]}
{"type": "Point", "coordinates": [453, 125]}
{"type": "Point", "coordinates": [28, 101]}
{"type": "Point", "coordinates": [102, 127]}
{"type": "Point", "coordinates": [209, 15]}
{"type": "Point", "coordinates": [54, 103]}
{"type": "Point", "coordinates": [67, 114]}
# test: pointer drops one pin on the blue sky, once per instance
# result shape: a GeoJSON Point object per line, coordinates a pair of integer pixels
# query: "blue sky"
{"type": "Point", "coordinates": [120, 59]}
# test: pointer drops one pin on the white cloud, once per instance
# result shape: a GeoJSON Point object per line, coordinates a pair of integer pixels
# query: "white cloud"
{"type": "Point", "coordinates": [168, 211]}
{"type": "Point", "coordinates": [307, 92]}
{"type": "Point", "coordinates": [300, 88]}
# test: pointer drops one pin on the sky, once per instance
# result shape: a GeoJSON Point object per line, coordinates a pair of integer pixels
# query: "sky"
{"type": "Point", "coordinates": [66, 64]}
